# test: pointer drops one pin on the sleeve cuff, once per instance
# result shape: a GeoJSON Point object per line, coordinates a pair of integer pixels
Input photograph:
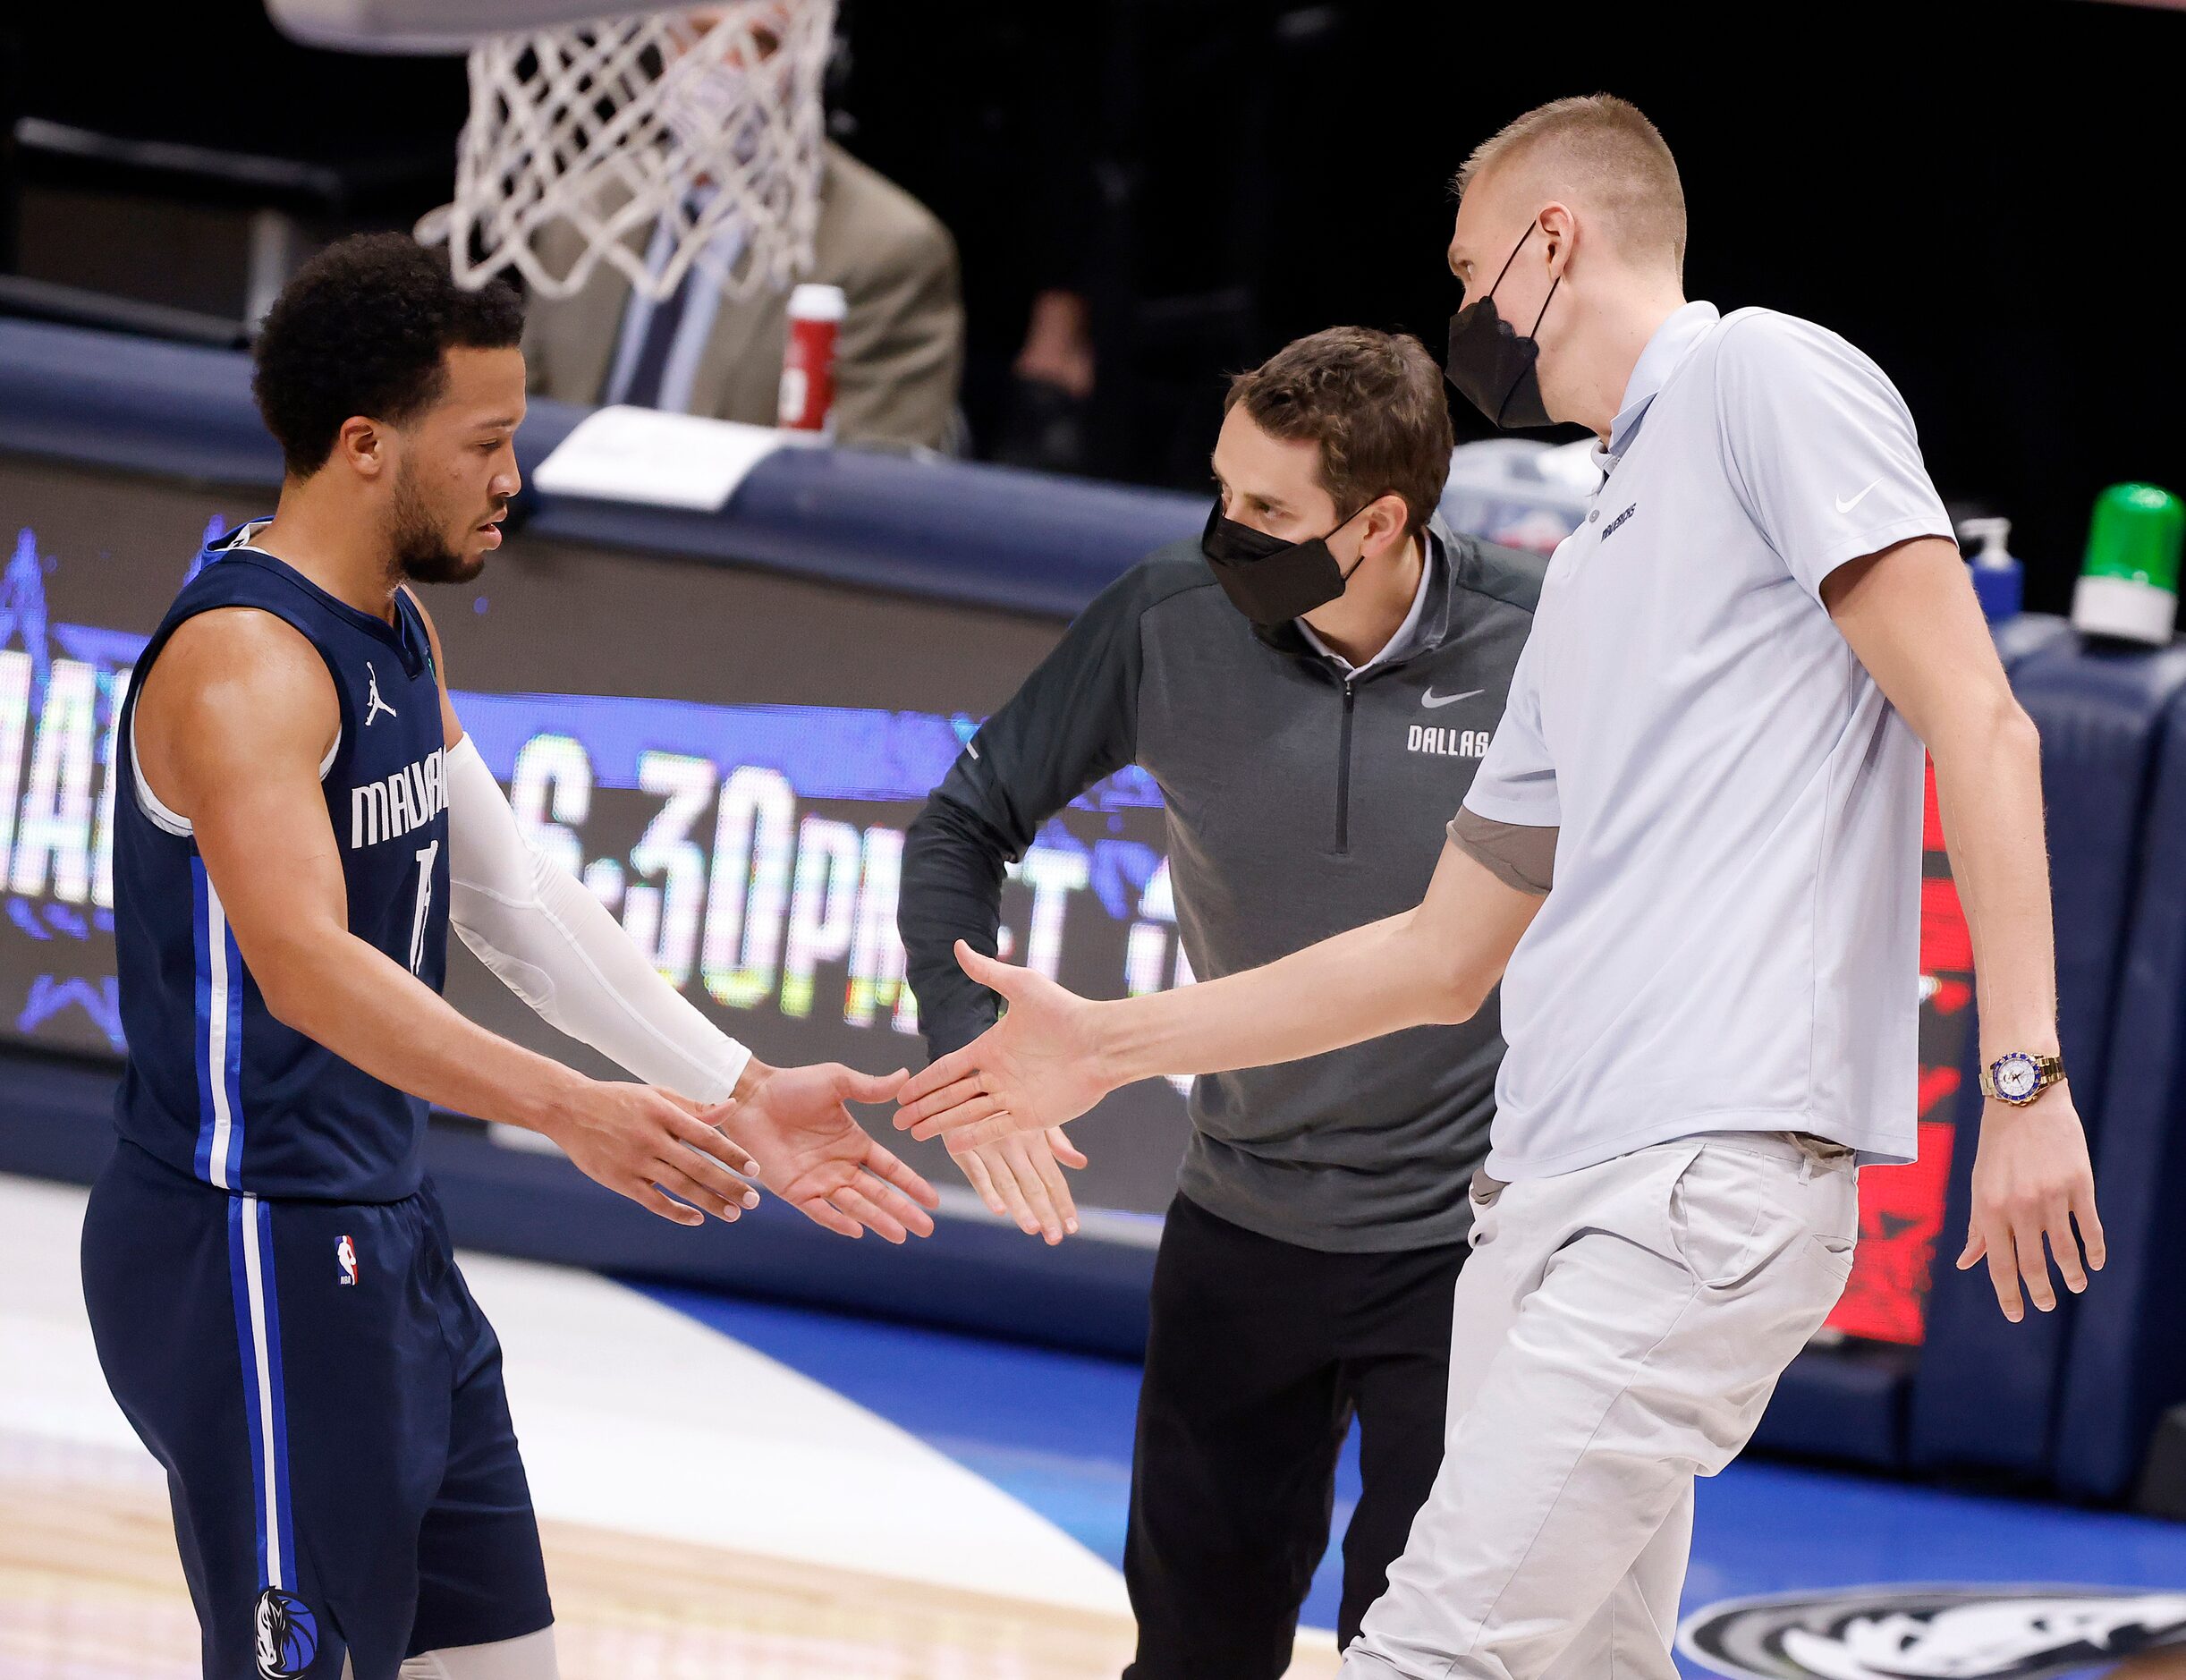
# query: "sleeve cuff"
{"type": "Point", "coordinates": [1859, 544]}
{"type": "Point", "coordinates": [1531, 813]}
{"type": "Point", "coordinates": [732, 1060]}
{"type": "Point", "coordinates": [944, 1040]}
{"type": "Point", "coordinates": [1521, 856]}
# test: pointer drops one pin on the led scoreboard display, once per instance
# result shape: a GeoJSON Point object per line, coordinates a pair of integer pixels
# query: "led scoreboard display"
{"type": "Point", "coordinates": [728, 758]}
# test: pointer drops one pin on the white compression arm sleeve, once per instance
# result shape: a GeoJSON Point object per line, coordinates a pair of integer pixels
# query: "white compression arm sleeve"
{"type": "Point", "coordinates": [556, 947]}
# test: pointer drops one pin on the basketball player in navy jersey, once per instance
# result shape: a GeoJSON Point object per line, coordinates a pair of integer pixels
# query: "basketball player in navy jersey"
{"type": "Point", "coordinates": [275, 1304]}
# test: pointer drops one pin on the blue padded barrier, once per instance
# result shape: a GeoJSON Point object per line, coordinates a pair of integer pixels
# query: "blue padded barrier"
{"type": "Point", "coordinates": [2127, 1361]}
{"type": "Point", "coordinates": [1841, 1403]}
{"type": "Point", "coordinates": [1986, 1391]}
{"type": "Point", "coordinates": [2020, 639]}
{"type": "Point", "coordinates": [57, 1115]}
{"type": "Point", "coordinates": [102, 399]}
{"type": "Point", "coordinates": [918, 524]}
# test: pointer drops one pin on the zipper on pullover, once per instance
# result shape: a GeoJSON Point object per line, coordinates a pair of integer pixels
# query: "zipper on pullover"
{"type": "Point", "coordinates": [1343, 769]}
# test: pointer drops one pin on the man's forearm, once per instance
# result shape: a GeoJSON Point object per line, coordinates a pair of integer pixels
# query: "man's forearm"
{"type": "Point", "coordinates": [1355, 986]}
{"type": "Point", "coordinates": [1435, 964]}
{"type": "Point", "coordinates": [951, 889]}
{"type": "Point", "coordinates": [1988, 787]}
{"type": "Point", "coordinates": [375, 1013]}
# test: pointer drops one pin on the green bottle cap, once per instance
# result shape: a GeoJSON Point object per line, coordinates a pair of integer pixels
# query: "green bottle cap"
{"type": "Point", "coordinates": [2135, 534]}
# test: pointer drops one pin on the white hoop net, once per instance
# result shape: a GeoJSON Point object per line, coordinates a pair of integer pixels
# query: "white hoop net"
{"type": "Point", "coordinates": [657, 143]}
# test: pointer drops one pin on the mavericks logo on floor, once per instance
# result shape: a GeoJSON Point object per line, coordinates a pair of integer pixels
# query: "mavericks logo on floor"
{"type": "Point", "coordinates": [1946, 1632]}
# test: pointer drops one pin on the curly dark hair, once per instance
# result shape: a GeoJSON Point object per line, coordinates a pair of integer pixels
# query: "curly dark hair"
{"type": "Point", "coordinates": [362, 329]}
{"type": "Point", "coordinates": [1372, 400]}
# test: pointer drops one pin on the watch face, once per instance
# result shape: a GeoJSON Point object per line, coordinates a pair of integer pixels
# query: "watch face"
{"type": "Point", "coordinates": [2016, 1077]}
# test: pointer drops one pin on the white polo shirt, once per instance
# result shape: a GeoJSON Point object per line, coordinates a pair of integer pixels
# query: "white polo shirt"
{"type": "Point", "coordinates": [1732, 941]}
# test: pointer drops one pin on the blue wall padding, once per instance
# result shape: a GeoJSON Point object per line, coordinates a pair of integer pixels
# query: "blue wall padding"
{"type": "Point", "coordinates": [2127, 1359]}
{"type": "Point", "coordinates": [1986, 1393]}
{"type": "Point", "coordinates": [2019, 639]}
{"type": "Point", "coordinates": [1841, 1403]}
{"type": "Point", "coordinates": [956, 531]}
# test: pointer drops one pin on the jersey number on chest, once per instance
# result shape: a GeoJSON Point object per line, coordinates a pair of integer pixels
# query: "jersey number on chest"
{"type": "Point", "coordinates": [426, 854]}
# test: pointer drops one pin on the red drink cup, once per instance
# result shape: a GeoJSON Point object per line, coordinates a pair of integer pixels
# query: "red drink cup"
{"type": "Point", "coordinates": [808, 362]}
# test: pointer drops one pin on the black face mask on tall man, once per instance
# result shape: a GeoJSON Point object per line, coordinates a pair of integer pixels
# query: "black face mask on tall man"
{"type": "Point", "coordinates": [1269, 579]}
{"type": "Point", "coordinates": [1492, 364]}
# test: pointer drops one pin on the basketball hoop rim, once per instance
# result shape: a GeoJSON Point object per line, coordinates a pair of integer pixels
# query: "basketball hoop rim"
{"type": "Point", "coordinates": [429, 29]}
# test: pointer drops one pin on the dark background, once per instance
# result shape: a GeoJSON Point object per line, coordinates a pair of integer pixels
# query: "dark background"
{"type": "Point", "coordinates": [1975, 197]}
{"type": "Point", "coordinates": [1978, 199]}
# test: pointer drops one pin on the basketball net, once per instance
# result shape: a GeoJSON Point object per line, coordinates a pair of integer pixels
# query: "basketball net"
{"type": "Point", "coordinates": [702, 126]}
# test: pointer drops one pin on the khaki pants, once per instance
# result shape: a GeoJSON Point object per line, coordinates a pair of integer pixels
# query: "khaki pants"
{"type": "Point", "coordinates": [1617, 1332]}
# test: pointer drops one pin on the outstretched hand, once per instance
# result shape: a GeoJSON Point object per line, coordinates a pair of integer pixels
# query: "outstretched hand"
{"type": "Point", "coordinates": [655, 1148]}
{"type": "Point", "coordinates": [792, 1122]}
{"type": "Point", "coordinates": [1032, 1070]}
{"type": "Point", "coordinates": [1020, 1178]}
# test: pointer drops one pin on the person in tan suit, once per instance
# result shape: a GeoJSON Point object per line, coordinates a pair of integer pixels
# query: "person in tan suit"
{"type": "Point", "coordinates": [898, 360]}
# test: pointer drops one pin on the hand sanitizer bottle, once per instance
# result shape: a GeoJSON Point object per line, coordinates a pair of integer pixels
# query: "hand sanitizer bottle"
{"type": "Point", "coordinates": [1998, 580]}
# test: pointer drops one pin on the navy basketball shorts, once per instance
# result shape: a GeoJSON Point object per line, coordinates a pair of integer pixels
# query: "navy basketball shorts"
{"type": "Point", "coordinates": [326, 1398]}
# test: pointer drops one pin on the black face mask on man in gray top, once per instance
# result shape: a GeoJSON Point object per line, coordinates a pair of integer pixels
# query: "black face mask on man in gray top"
{"type": "Point", "coordinates": [1269, 579]}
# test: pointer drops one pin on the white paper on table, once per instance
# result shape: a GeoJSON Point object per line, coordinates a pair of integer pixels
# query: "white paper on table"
{"type": "Point", "coordinates": [622, 453]}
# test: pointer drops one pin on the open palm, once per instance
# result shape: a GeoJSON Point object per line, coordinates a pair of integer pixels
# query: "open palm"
{"type": "Point", "coordinates": [1020, 1178]}
{"type": "Point", "coordinates": [1033, 1069]}
{"type": "Point", "coordinates": [814, 1156]}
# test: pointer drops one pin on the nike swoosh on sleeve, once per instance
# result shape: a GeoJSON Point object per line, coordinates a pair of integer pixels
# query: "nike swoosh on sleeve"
{"type": "Point", "coordinates": [1845, 507]}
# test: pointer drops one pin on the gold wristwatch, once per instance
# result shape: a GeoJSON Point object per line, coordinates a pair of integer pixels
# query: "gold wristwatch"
{"type": "Point", "coordinates": [2017, 1078]}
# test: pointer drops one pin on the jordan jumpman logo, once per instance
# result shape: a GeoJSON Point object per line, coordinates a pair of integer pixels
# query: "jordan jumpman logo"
{"type": "Point", "coordinates": [374, 705]}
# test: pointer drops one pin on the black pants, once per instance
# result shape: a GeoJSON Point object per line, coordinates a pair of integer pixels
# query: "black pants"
{"type": "Point", "coordinates": [1259, 1354]}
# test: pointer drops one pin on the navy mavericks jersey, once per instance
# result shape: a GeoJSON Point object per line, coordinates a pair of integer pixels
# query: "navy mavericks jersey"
{"type": "Point", "coordinates": [215, 1086]}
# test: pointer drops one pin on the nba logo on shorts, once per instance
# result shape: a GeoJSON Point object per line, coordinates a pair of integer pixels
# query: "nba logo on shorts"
{"type": "Point", "coordinates": [345, 1254]}
{"type": "Point", "coordinates": [287, 1635]}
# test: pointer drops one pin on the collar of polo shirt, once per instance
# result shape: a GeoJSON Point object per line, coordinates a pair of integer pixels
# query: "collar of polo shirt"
{"type": "Point", "coordinates": [1672, 340]}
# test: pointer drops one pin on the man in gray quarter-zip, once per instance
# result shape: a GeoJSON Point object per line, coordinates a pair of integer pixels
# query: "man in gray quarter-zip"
{"type": "Point", "coordinates": [1312, 684]}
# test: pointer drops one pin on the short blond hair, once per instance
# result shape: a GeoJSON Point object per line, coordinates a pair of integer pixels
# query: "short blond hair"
{"type": "Point", "coordinates": [1608, 156]}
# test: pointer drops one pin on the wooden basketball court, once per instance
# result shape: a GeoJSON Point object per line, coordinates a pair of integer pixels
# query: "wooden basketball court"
{"type": "Point", "coordinates": [91, 1590]}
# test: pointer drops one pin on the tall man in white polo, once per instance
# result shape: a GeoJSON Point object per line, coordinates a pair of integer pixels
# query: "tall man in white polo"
{"type": "Point", "coordinates": [1695, 843]}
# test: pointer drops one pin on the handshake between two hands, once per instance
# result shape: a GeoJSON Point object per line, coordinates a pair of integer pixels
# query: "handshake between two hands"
{"type": "Point", "coordinates": [1001, 1102]}
{"type": "Point", "coordinates": [790, 1129]}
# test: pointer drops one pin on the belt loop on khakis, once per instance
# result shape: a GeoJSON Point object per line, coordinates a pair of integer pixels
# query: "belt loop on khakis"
{"type": "Point", "coordinates": [1815, 1152]}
